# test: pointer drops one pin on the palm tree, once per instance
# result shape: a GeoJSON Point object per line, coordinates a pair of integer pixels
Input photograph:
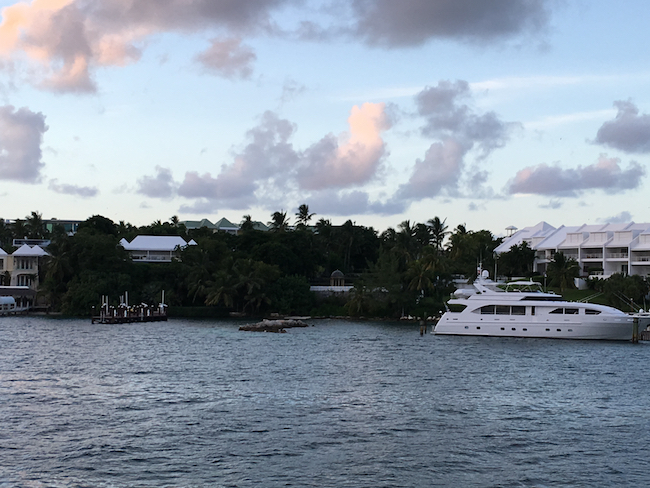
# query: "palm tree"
{"type": "Point", "coordinates": [438, 232]}
{"type": "Point", "coordinates": [246, 224]}
{"type": "Point", "coordinates": [279, 222]}
{"type": "Point", "coordinates": [563, 271]}
{"type": "Point", "coordinates": [34, 226]}
{"type": "Point", "coordinates": [303, 216]}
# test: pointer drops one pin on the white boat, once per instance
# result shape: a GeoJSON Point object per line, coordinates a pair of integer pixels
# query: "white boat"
{"type": "Point", "coordinates": [7, 305]}
{"type": "Point", "coordinates": [522, 309]}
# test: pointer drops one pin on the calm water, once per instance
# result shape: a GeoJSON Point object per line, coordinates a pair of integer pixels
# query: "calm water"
{"type": "Point", "coordinates": [198, 403]}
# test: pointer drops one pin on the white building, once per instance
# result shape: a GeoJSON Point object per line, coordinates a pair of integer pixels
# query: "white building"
{"type": "Point", "coordinates": [19, 274]}
{"type": "Point", "coordinates": [155, 249]}
{"type": "Point", "coordinates": [601, 249]}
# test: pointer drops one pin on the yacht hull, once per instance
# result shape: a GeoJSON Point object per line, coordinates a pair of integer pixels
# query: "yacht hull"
{"type": "Point", "coordinates": [613, 329]}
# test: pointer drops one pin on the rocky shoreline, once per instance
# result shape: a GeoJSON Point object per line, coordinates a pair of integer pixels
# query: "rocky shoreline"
{"type": "Point", "coordinates": [278, 326]}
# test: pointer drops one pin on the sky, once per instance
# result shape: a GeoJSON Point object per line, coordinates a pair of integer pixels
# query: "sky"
{"type": "Point", "coordinates": [483, 113]}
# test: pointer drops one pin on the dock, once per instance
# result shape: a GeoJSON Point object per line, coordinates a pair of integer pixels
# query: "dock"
{"type": "Point", "coordinates": [125, 314]}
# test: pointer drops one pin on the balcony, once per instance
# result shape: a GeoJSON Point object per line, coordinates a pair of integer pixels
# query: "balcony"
{"type": "Point", "coordinates": [617, 255]}
{"type": "Point", "coordinates": [592, 255]}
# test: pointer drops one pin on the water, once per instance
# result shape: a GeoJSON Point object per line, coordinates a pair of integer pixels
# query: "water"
{"type": "Point", "coordinates": [344, 404]}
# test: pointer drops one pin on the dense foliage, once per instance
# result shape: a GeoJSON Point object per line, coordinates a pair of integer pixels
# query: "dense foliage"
{"type": "Point", "coordinates": [403, 271]}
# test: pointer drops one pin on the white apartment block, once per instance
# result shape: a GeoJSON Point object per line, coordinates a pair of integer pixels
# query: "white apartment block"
{"type": "Point", "coordinates": [601, 249]}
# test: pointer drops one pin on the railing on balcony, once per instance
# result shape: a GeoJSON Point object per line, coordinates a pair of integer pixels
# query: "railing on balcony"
{"type": "Point", "coordinates": [617, 255]}
{"type": "Point", "coordinates": [593, 255]}
{"type": "Point", "coordinates": [644, 259]}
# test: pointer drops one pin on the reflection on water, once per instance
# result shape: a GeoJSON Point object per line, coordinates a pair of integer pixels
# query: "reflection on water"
{"type": "Point", "coordinates": [198, 403]}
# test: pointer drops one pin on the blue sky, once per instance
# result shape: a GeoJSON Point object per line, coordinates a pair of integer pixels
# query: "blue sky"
{"type": "Point", "coordinates": [488, 114]}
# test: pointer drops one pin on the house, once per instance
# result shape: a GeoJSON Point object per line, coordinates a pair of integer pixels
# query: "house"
{"type": "Point", "coordinates": [19, 274]}
{"type": "Point", "coordinates": [155, 249]}
{"type": "Point", "coordinates": [199, 224]}
{"type": "Point", "coordinates": [600, 249]}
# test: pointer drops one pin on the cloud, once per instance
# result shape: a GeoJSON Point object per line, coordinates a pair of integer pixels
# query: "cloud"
{"type": "Point", "coordinates": [64, 41]}
{"type": "Point", "coordinates": [268, 167]}
{"type": "Point", "coordinates": [606, 174]}
{"type": "Point", "coordinates": [446, 109]}
{"type": "Point", "coordinates": [447, 116]}
{"type": "Point", "coordinates": [266, 160]}
{"type": "Point", "coordinates": [354, 202]}
{"type": "Point", "coordinates": [228, 58]}
{"type": "Point", "coordinates": [159, 186]}
{"type": "Point", "coordinates": [387, 23]}
{"type": "Point", "coordinates": [21, 136]}
{"type": "Point", "coordinates": [351, 159]}
{"type": "Point", "coordinates": [621, 218]}
{"type": "Point", "coordinates": [629, 131]}
{"type": "Point", "coordinates": [553, 204]}
{"type": "Point", "coordinates": [61, 43]}
{"type": "Point", "coordinates": [439, 172]}
{"type": "Point", "coordinates": [74, 190]}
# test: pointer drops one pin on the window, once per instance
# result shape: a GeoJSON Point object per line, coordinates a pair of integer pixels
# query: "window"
{"type": "Point", "coordinates": [591, 311]}
{"type": "Point", "coordinates": [532, 310]}
{"type": "Point", "coordinates": [487, 310]}
{"type": "Point", "coordinates": [524, 329]}
{"type": "Point", "coordinates": [503, 309]}
{"type": "Point", "coordinates": [571, 311]}
{"type": "Point", "coordinates": [518, 310]}
{"type": "Point", "coordinates": [557, 310]}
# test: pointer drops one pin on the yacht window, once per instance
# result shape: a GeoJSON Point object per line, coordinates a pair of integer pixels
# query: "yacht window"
{"type": "Point", "coordinates": [591, 311]}
{"type": "Point", "coordinates": [518, 310]}
{"type": "Point", "coordinates": [532, 310]}
{"type": "Point", "coordinates": [525, 328]}
{"type": "Point", "coordinates": [503, 309]}
{"type": "Point", "coordinates": [571, 311]}
{"type": "Point", "coordinates": [503, 328]}
{"type": "Point", "coordinates": [557, 310]}
{"type": "Point", "coordinates": [487, 309]}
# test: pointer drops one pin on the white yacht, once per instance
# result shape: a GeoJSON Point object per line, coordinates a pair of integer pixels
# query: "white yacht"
{"type": "Point", "coordinates": [522, 309]}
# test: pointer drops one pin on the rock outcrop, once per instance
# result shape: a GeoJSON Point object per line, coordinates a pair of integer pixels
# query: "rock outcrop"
{"type": "Point", "coordinates": [273, 325]}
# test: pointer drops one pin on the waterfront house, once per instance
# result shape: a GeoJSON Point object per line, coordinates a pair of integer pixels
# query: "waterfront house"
{"type": "Point", "coordinates": [155, 249]}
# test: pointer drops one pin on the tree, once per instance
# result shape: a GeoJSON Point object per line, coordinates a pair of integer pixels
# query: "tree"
{"type": "Point", "coordinates": [563, 271]}
{"type": "Point", "coordinates": [303, 216]}
{"type": "Point", "coordinates": [438, 232]}
{"type": "Point", "coordinates": [279, 221]}
{"type": "Point", "coordinates": [246, 224]}
{"type": "Point", "coordinates": [517, 261]}
{"type": "Point", "coordinates": [34, 226]}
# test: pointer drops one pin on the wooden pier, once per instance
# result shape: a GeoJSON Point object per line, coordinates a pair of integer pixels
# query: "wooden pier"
{"type": "Point", "coordinates": [125, 314]}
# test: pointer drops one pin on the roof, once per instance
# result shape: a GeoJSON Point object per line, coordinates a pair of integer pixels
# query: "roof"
{"type": "Point", "coordinates": [25, 250]}
{"type": "Point", "coordinates": [153, 243]}
{"type": "Point", "coordinates": [224, 223]}
{"type": "Point", "coordinates": [2, 252]}
{"type": "Point", "coordinates": [197, 224]}
{"type": "Point", "coordinates": [526, 234]}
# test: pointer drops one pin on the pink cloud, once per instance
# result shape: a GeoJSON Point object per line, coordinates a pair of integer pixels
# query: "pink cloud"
{"type": "Point", "coordinates": [351, 160]}
{"type": "Point", "coordinates": [63, 41]}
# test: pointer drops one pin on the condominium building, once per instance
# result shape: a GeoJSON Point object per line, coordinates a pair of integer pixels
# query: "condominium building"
{"type": "Point", "coordinates": [600, 249]}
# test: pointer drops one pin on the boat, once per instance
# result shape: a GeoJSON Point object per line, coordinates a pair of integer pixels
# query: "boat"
{"type": "Point", "coordinates": [7, 305]}
{"type": "Point", "coordinates": [523, 309]}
